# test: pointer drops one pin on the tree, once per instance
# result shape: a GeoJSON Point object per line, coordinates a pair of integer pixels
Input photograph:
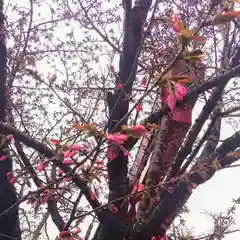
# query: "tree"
{"type": "Point", "coordinates": [72, 120]}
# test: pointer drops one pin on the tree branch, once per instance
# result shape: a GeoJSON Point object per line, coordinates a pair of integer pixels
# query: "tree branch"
{"type": "Point", "coordinates": [174, 201]}
{"type": "Point", "coordinates": [222, 79]}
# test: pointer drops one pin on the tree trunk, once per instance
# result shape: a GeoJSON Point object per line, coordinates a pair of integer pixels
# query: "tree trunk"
{"type": "Point", "coordinates": [9, 219]}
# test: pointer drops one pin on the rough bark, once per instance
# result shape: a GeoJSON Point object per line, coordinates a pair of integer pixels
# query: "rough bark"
{"type": "Point", "coordinates": [9, 220]}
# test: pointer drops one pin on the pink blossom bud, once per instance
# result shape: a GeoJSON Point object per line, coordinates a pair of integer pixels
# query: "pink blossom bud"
{"type": "Point", "coordinates": [12, 180]}
{"type": "Point", "coordinates": [2, 158]}
{"type": "Point", "coordinates": [139, 108]}
{"type": "Point", "coordinates": [113, 209]}
{"type": "Point", "coordinates": [68, 161]}
{"type": "Point", "coordinates": [68, 178]}
{"type": "Point", "coordinates": [41, 166]}
{"type": "Point", "coordinates": [99, 161]}
{"type": "Point", "coordinates": [119, 86]}
{"type": "Point", "coordinates": [9, 137]}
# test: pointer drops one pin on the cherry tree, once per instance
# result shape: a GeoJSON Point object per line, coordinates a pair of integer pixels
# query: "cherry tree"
{"type": "Point", "coordinates": [97, 126]}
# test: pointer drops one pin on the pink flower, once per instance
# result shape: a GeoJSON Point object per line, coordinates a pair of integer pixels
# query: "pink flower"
{"type": "Point", "coordinates": [99, 166]}
{"type": "Point", "coordinates": [68, 178]}
{"type": "Point", "coordinates": [112, 153]}
{"type": "Point", "coordinates": [9, 137]}
{"type": "Point", "coordinates": [144, 81]}
{"type": "Point", "coordinates": [156, 200]}
{"type": "Point", "coordinates": [69, 154]}
{"type": "Point", "coordinates": [12, 180]}
{"type": "Point", "coordinates": [194, 185]}
{"type": "Point", "coordinates": [2, 158]}
{"type": "Point", "coordinates": [41, 166]}
{"type": "Point", "coordinates": [138, 130]}
{"type": "Point", "coordinates": [164, 237]}
{"type": "Point", "coordinates": [78, 230]}
{"type": "Point", "coordinates": [112, 69]}
{"type": "Point", "coordinates": [119, 86]}
{"type": "Point", "coordinates": [99, 161]}
{"type": "Point", "coordinates": [10, 177]}
{"type": "Point", "coordinates": [139, 108]}
{"type": "Point", "coordinates": [68, 161]}
{"type": "Point", "coordinates": [9, 174]}
{"type": "Point", "coordinates": [139, 187]}
{"type": "Point", "coordinates": [117, 138]}
{"type": "Point", "coordinates": [180, 92]}
{"type": "Point", "coordinates": [113, 209]}
{"type": "Point", "coordinates": [76, 147]}
{"type": "Point", "coordinates": [54, 141]}
{"type": "Point", "coordinates": [176, 22]}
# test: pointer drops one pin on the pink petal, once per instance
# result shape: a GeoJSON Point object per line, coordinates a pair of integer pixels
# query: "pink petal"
{"type": "Point", "coordinates": [68, 161]}
{"type": "Point", "coordinates": [122, 137]}
{"type": "Point", "coordinates": [99, 166]}
{"type": "Point", "coordinates": [171, 101]}
{"type": "Point", "coordinates": [165, 237]}
{"type": "Point", "coordinates": [156, 200]}
{"type": "Point", "coordinates": [3, 158]}
{"type": "Point", "coordinates": [113, 209]}
{"type": "Point", "coordinates": [78, 230]}
{"type": "Point", "coordinates": [68, 178]}
{"type": "Point", "coordinates": [54, 141]}
{"type": "Point", "coordinates": [41, 166]}
{"type": "Point", "coordinates": [139, 129]}
{"type": "Point", "coordinates": [144, 81]}
{"type": "Point", "coordinates": [119, 86]}
{"type": "Point", "coordinates": [181, 91]}
{"type": "Point", "coordinates": [69, 154]}
{"type": "Point", "coordinates": [139, 187]}
{"type": "Point", "coordinates": [9, 137]}
{"type": "Point", "coordinates": [139, 108]}
{"type": "Point", "coordinates": [113, 138]}
{"type": "Point", "coordinates": [99, 161]}
{"type": "Point", "coordinates": [117, 138]}
{"type": "Point", "coordinates": [112, 153]}
{"type": "Point", "coordinates": [9, 174]}
{"type": "Point", "coordinates": [12, 180]}
{"type": "Point", "coordinates": [194, 185]}
{"type": "Point", "coordinates": [112, 68]}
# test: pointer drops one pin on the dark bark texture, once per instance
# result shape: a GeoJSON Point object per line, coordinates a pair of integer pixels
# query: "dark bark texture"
{"type": "Point", "coordinates": [9, 219]}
